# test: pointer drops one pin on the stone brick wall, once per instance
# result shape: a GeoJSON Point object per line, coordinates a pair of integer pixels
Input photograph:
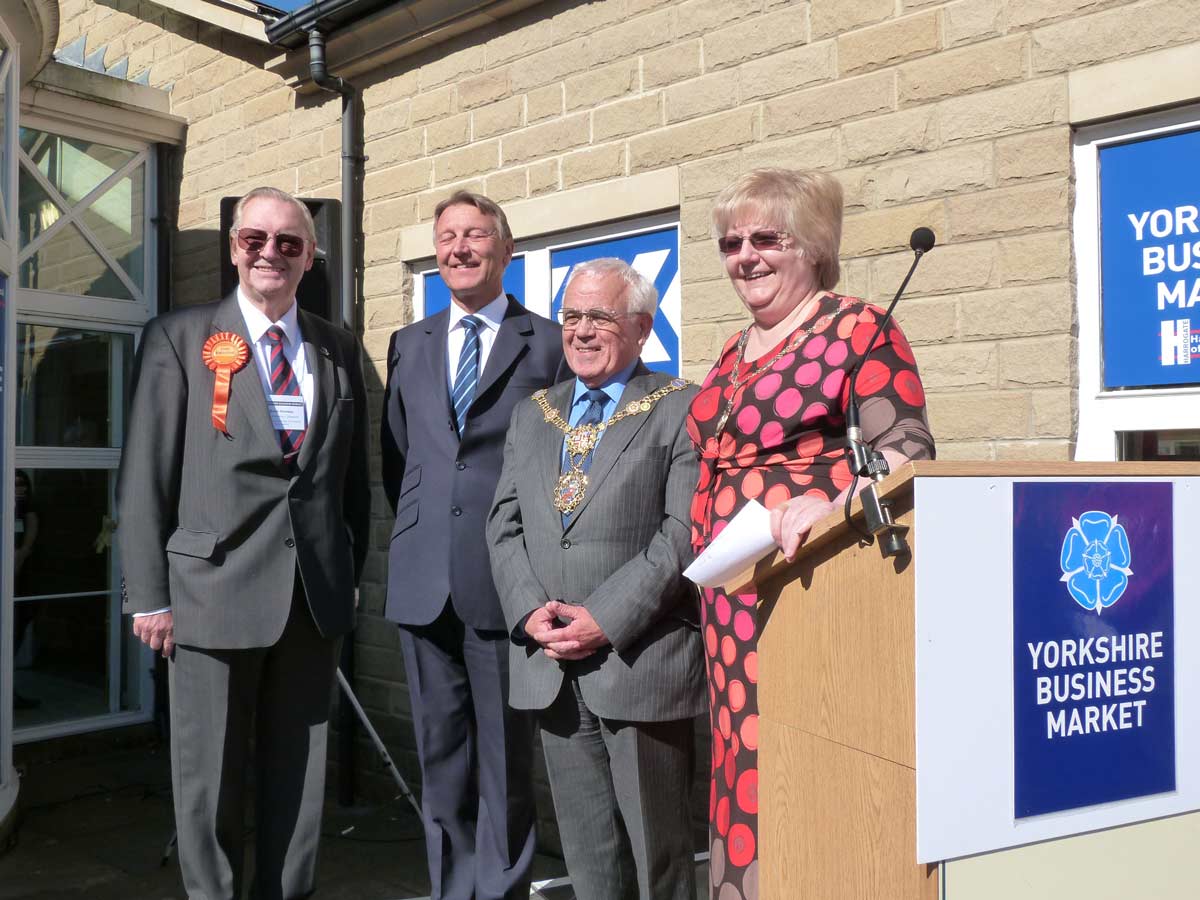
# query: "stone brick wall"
{"type": "Point", "coordinates": [947, 114]}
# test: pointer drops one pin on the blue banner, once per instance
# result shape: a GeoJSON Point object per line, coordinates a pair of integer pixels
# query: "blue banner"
{"type": "Point", "coordinates": [1150, 261]}
{"type": "Point", "coordinates": [437, 295]}
{"type": "Point", "coordinates": [1093, 644]}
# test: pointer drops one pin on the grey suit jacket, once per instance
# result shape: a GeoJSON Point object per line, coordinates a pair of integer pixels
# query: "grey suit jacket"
{"type": "Point", "coordinates": [215, 525]}
{"type": "Point", "coordinates": [621, 556]}
{"type": "Point", "coordinates": [441, 487]}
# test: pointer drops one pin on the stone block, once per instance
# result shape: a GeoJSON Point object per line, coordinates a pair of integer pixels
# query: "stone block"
{"type": "Point", "coordinates": [278, 101]}
{"type": "Point", "coordinates": [397, 148]}
{"type": "Point", "coordinates": [731, 45]}
{"type": "Point", "coordinates": [1049, 450]}
{"type": "Point", "coordinates": [964, 451]}
{"type": "Point", "coordinates": [544, 103]}
{"type": "Point", "coordinates": [625, 117]}
{"type": "Point", "coordinates": [829, 104]}
{"type": "Point", "coordinates": [884, 230]}
{"type": "Point", "coordinates": [383, 314]}
{"type": "Point", "coordinates": [397, 180]}
{"type": "Point", "coordinates": [695, 219]}
{"type": "Point", "coordinates": [467, 162]}
{"type": "Point", "coordinates": [487, 87]}
{"type": "Point", "coordinates": [630, 37]}
{"type": "Point", "coordinates": [834, 17]}
{"type": "Point", "coordinates": [703, 341]}
{"type": "Point", "coordinates": [981, 415]}
{"type": "Point", "coordinates": [1036, 154]}
{"type": "Point", "coordinates": [790, 70]}
{"type": "Point", "coordinates": [452, 131]}
{"type": "Point", "coordinates": [1042, 205]}
{"type": "Point", "coordinates": [812, 150]}
{"type": "Point", "coordinates": [960, 366]}
{"type": "Point", "coordinates": [701, 261]}
{"type": "Point", "coordinates": [948, 269]}
{"type": "Point", "coordinates": [545, 140]}
{"type": "Point", "coordinates": [512, 184]}
{"type": "Point", "coordinates": [1023, 13]}
{"type": "Point", "coordinates": [390, 214]}
{"type": "Point", "coordinates": [953, 171]}
{"type": "Point", "coordinates": [671, 64]}
{"type": "Point", "coordinates": [601, 84]}
{"type": "Point", "coordinates": [707, 177]}
{"type": "Point", "coordinates": [520, 38]}
{"type": "Point", "coordinates": [856, 189]}
{"type": "Point", "coordinates": [1019, 107]}
{"type": "Point", "coordinates": [1034, 309]}
{"type": "Point", "coordinates": [1054, 412]}
{"type": "Point", "coordinates": [701, 96]}
{"type": "Point", "coordinates": [1038, 362]}
{"type": "Point", "coordinates": [448, 67]}
{"type": "Point", "coordinates": [1045, 256]}
{"type": "Point", "coordinates": [544, 177]}
{"type": "Point", "coordinates": [576, 20]}
{"type": "Point", "coordinates": [713, 300]}
{"type": "Point", "coordinates": [379, 248]}
{"type": "Point", "coordinates": [968, 21]}
{"type": "Point", "coordinates": [692, 140]}
{"type": "Point", "coordinates": [931, 320]}
{"type": "Point", "coordinates": [892, 134]}
{"type": "Point", "coordinates": [429, 107]}
{"type": "Point", "coordinates": [593, 164]}
{"type": "Point", "coordinates": [1117, 32]}
{"type": "Point", "coordinates": [381, 281]}
{"type": "Point", "coordinates": [889, 43]}
{"type": "Point", "coordinates": [552, 64]}
{"type": "Point", "coordinates": [395, 83]}
{"type": "Point", "coordinates": [957, 72]}
{"type": "Point", "coordinates": [854, 278]}
{"type": "Point", "coordinates": [700, 17]}
{"type": "Point", "coordinates": [387, 120]}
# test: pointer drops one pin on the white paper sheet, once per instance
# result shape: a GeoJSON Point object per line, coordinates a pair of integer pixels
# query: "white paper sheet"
{"type": "Point", "coordinates": [745, 540]}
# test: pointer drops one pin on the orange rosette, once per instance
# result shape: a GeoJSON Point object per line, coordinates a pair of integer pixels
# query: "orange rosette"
{"type": "Point", "coordinates": [224, 353]}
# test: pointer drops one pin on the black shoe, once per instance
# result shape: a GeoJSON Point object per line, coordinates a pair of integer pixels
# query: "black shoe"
{"type": "Point", "coordinates": [22, 702]}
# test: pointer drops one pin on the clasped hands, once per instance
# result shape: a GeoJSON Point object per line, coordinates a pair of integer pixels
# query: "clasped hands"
{"type": "Point", "coordinates": [580, 637]}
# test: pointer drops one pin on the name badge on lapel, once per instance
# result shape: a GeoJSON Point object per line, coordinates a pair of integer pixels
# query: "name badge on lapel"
{"type": "Point", "coordinates": [287, 412]}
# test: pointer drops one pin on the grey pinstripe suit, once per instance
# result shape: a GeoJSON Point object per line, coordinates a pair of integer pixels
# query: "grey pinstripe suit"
{"type": "Point", "coordinates": [620, 556]}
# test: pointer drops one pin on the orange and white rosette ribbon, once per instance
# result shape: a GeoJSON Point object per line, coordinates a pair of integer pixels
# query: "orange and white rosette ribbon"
{"type": "Point", "coordinates": [224, 353]}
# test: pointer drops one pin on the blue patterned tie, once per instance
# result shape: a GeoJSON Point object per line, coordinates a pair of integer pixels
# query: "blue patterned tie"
{"type": "Point", "coordinates": [467, 375]}
{"type": "Point", "coordinates": [283, 381]}
{"type": "Point", "coordinates": [593, 415]}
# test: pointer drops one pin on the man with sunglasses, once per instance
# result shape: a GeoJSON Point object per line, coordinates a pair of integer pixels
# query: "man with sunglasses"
{"type": "Point", "coordinates": [453, 380]}
{"type": "Point", "coordinates": [589, 535]}
{"type": "Point", "coordinates": [243, 502]}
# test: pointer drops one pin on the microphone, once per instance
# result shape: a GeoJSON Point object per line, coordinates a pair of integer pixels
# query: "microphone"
{"type": "Point", "coordinates": [865, 461]}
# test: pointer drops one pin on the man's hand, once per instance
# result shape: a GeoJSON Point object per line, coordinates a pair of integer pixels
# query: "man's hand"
{"type": "Point", "coordinates": [578, 639]}
{"type": "Point", "coordinates": [156, 631]}
{"type": "Point", "coordinates": [539, 624]}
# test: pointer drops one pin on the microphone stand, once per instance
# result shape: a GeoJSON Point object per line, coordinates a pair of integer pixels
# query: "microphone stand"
{"type": "Point", "coordinates": [864, 460]}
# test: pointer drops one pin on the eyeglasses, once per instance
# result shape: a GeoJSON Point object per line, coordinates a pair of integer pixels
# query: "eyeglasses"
{"type": "Point", "coordinates": [759, 240]}
{"type": "Point", "coordinates": [471, 236]}
{"type": "Point", "coordinates": [255, 239]}
{"type": "Point", "coordinates": [601, 319]}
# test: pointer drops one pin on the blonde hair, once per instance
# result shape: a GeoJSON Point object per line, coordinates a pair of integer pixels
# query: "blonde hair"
{"type": "Point", "coordinates": [806, 205]}
{"type": "Point", "coordinates": [485, 205]}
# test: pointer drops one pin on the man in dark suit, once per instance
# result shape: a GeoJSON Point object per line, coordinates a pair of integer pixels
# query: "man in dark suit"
{"type": "Point", "coordinates": [452, 382]}
{"type": "Point", "coordinates": [589, 534]}
{"type": "Point", "coordinates": [243, 507]}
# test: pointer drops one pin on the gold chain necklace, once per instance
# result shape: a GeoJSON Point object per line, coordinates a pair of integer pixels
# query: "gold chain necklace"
{"type": "Point", "coordinates": [738, 382]}
{"type": "Point", "coordinates": [581, 440]}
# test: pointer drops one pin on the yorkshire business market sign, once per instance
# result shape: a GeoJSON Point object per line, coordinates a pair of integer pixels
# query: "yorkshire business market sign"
{"type": "Point", "coordinates": [1150, 261]}
{"type": "Point", "coordinates": [1093, 644]}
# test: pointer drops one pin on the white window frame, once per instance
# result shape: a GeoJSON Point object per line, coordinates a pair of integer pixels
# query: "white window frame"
{"type": "Point", "coordinates": [1105, 414]}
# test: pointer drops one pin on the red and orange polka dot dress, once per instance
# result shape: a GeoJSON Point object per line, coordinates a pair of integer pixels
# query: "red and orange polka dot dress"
{"type": "Point", "coordinates": [784, 436]}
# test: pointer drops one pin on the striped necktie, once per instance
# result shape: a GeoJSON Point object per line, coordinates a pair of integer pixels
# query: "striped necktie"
{"type": "Point", "coordinates": [467, 375]}
{"type": "Point", "coordinates": [283, 381]}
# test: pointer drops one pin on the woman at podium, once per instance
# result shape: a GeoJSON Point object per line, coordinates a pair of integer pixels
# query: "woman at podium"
{"type": "Point", "coordinates": [769, 424]}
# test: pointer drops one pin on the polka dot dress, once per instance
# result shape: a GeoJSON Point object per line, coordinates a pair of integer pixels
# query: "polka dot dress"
{"type": "Point", "coordinates": [785, 436]}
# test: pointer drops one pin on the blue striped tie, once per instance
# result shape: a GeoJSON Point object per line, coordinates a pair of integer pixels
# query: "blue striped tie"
{"type": "Point", "coordinates": [468, 372]}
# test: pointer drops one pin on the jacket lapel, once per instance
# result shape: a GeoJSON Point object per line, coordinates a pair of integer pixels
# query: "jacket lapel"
{"type": "Point", "coordinates": [436, 364]}
{"type": "Point", "coordinates": [511, 340]}
{"type": "Point", "coordinates": [319, 359]}
{"type": "Point", "coordinates": [616, 438]}
{"type": "Point", "coordinates": [549, 447]}
{"type": "Point", "coordinates": [246, 397]}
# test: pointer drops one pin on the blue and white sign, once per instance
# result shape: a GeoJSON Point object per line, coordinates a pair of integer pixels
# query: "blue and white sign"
{"type": "Point", "coordinates": [1150, 261]}
{"type": "Point", "coordinates": [537, 277]}
{"type": "Point", "coordinates": [1093, 644]}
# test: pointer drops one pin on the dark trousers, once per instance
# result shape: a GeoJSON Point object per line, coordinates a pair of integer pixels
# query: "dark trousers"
{"type": "Point", "coordinates": [476, 757]}
{"type": "Point", "coordinates": [267, 708]}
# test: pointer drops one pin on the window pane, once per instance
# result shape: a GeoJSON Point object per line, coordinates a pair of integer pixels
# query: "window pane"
{"type": "Point", "coordinates": [63, 539]}
{"type": "Point", "coordinates": [60, 668]}
{"type": "Point", "coordinates": [72, 386]}
{"type": "Point", "coordinates": [1165, 446]}
{"type": "Point", "coordinates": [35, 210]}
{"type": "Point", "coordinates": [3, 142]}
{"type": "Point", "coordinates": [116, 218]}
{"type": "Point", "coordinates": [67, 263]}
{"type": "Point", "coordinates": [74, 167]}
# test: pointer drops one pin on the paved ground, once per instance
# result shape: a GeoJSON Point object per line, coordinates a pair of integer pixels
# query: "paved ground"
{"type": "Point", "coordinates": [97, 827]}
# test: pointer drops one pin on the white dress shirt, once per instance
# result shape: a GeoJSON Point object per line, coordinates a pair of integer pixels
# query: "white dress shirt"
{"type": "Point", "coordinates": [490, 316]}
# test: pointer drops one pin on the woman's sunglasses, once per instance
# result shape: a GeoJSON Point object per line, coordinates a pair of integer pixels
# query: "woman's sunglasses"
{"type": "Point", "coordinates": [254, 239]}
{"type": "Point", "coordinates": [759, 240]}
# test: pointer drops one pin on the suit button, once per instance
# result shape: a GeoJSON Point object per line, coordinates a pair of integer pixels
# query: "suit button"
{"type": "Point", "coordinates": [565, 544]}
{"type": "Point", "coordinates": [459, 464]}
{"type": "Point", "coordinates": [456, 510]}
{"type": "Point", "coordinates": [289, 543]}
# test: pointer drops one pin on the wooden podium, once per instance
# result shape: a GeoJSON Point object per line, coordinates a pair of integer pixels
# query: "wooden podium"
{"type": "Point", "coordinates": [837, 705]}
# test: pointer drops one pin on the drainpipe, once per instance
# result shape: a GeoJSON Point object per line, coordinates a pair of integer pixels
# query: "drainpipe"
{"type": "Point", "coordinates": [352, 162]}
{"type": "Point", "coordinates": [351, 167]}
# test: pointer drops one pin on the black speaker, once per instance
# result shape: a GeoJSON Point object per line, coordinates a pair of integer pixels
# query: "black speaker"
{"type": "Point", "coordinates": [319, 289]}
